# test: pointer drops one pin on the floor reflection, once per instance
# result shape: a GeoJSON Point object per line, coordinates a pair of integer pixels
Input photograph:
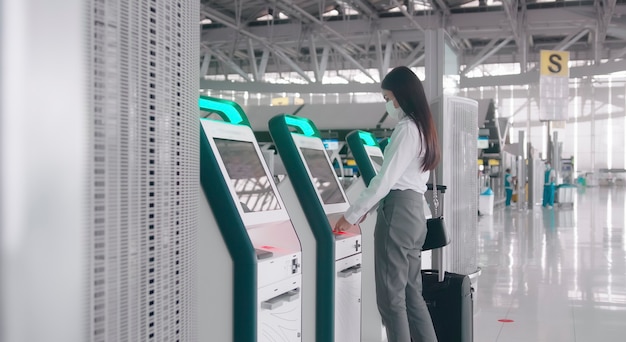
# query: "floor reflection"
{"type": "Point", "coordinates": [559, 273]}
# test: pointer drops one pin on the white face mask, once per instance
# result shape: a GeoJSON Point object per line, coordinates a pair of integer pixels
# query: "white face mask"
{"type": "Point", "coordinates": [396, 113]}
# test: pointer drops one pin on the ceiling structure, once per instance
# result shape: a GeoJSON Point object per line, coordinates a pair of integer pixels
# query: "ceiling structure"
{"type": "Point", "coordinates": [308, 38]}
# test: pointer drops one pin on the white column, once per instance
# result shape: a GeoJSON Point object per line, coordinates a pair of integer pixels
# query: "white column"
{"type": "Point", "coordinates": [521, 171]}
{"type": "Point", "coordinates": [434, 51]}
{"type": "Point", "coordinates": [43, 171]}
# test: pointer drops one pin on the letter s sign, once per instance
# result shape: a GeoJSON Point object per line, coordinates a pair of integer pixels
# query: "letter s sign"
{"type": "Point", "coordinates": [555, 64]}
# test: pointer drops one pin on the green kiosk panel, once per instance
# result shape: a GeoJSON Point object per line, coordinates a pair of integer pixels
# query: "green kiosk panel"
{"type": "Point", "coordinates": [367, 153]}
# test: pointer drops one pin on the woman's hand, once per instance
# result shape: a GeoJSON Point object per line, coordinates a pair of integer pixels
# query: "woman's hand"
{"type": "Point", "coordinates": [342, 225]}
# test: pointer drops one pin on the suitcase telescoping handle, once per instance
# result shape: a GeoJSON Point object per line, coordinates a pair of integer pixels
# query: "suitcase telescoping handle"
{"type": "Point", "coordinates": [435, 197]}
{"type": "Point", "coordinates": [437, 254]}
{"type": "Point", "coordinates": [440, 280]}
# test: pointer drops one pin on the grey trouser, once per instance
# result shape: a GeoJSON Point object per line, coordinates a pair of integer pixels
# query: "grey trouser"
{"type": "Point", "coordinates": [398, 239]}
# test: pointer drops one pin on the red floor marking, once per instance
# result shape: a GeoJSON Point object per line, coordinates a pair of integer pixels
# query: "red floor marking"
{"type": "Point", "coordinates": [506, 320]}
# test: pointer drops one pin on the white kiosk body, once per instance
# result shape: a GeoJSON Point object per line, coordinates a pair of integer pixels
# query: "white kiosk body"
{"type": "Point", "coordinates": [372, 329]}
{"type": "Point", "coordinates": [247, 240]}
{"type": "Point", "coordinates": [345, 248]}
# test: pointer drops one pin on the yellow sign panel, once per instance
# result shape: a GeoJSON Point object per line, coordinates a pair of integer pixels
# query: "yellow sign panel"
{"type": "Point", "coordinates": [285, 101]}
{"type": "Point", "coordinates": [280, 101]}
{"type": "Point", "coordinates": [554, 63]}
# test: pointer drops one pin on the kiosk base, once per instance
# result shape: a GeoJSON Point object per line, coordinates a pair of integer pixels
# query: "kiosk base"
{"type": "Point", "coordinates": [348, 299]}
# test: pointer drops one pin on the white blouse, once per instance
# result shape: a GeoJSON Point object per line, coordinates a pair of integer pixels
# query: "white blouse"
{"type": "Point", "coordinates": [401, 170]}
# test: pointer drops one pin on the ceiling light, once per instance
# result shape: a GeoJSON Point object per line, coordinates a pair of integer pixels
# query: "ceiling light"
{"type": "Point", "coordinates": [265, 17]}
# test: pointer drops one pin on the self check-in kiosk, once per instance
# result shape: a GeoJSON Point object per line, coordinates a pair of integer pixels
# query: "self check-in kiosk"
{"type": "Point", "coordinates": [369, 160]}
{"type": "Point", "coordinates": [332, 262]}
{"type": "Point", "coordinates": [383, 143]}
{"type": "Point", "coordinates": [249, 252]}
{"type": "Point", "coordinates": [368, 155]}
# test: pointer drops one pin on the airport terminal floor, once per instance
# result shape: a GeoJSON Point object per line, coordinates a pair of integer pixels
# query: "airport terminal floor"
{"type": "Point", "coordinates": [554, 274]}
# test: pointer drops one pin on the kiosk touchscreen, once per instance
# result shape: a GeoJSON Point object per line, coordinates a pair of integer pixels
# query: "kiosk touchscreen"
{"type": "Point", "coordinates": [315, 201]}
{"type": "Point", "coordinates": [249, 250]}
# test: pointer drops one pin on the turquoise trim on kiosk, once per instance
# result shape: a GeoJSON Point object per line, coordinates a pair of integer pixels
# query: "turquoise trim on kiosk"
{"type": "Point", "coordinates": [303, 126]}
{"type": "Point", "coordinates": [357, 140]}
{"type": "Point", "coordinates": [368, 138]}
{"type": "Point", "coordinates": [229, 111]}
{"type": "Point", "coordinates": [280, 129]}
{"type": "Point", "coordinates": [236, 237]}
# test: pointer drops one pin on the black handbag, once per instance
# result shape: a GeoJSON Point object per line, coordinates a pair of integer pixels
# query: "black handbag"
{"type": "Point", "coordinates": [436, 232]}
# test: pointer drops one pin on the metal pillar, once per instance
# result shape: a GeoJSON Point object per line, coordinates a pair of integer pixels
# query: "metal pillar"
{"type": "Point", "coordinates": [549, 142]}
{"type": "Point", "coordinates": [521, 171]}
{"type": "Point", "coordinates": [556, 155]}
{"type": "Point", "coordinates": [524, 56]}
{"type": "Point", "coordinates": [531, 175]}
{"type": "Point", "coordinates": [434, 51]}
{"type": "Point", "coordinates": [593, 127]}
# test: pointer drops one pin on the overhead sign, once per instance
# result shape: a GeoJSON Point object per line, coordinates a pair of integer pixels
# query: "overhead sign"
{"type": "Point", "coordinates": [554, 63]}
{"type": "Point", "coordinates": [285, 101]}
{"type": "Point", "coordinates": [554, 85]}
{"type": "Point", "coordinates": [280, 101]}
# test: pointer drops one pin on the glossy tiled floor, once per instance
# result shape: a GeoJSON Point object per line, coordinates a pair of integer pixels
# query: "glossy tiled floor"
{"type": "Point", "coordinates": [559, 274]}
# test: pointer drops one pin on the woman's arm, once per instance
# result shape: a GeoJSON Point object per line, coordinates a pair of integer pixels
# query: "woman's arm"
{"type": "Point", "coordinates": [404, 146]}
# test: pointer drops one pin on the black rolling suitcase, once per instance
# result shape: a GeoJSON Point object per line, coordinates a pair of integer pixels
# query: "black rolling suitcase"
{"type": "Point", "coordinates": [450, 305]}
{"type": "Point", "coordinates": [449, 298]}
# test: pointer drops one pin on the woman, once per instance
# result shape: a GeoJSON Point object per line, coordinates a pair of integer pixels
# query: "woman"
{"type": "Point", "coordinates": [401, 225]}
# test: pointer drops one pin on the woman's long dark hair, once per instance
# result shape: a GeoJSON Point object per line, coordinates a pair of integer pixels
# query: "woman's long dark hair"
{"type": "Point", "coordinates": [409, 93]}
